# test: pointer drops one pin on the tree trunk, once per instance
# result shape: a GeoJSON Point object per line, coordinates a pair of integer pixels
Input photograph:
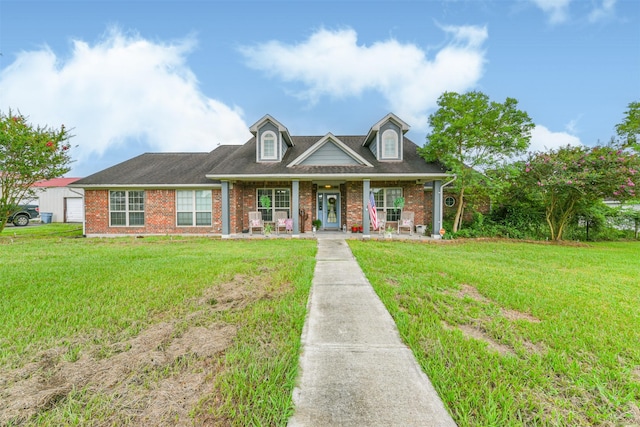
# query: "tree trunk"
{"type": "Point", "coordinates": [551, 223]}
{"type": "Point", "coordinates": [557, 221]}
{"type": "Point", "coordinates": [458, 218]}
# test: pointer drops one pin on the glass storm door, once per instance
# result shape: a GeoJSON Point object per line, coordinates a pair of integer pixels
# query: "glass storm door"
{"type": "Point", "coordinates": [329, 210]}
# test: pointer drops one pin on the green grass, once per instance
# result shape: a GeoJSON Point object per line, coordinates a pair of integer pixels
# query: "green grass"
{"type": "Point", "coordinates": [553, 332]}
{"type": "Point", "coordinates": [88, 295]}
{"type": "Point", "coordinates": [509, 333]}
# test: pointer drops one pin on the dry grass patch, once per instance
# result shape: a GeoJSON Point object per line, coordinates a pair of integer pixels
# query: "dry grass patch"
{"type": "Point", "coordinates": [537, 334]}
{"type": "Point", "coordinates": [155, 378]}
{"type": "Point", "coordinates": [154, 331]}
{"type": "Point", "coordinates": [476, 333]}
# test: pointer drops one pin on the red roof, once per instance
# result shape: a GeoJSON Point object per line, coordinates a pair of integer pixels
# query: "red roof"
{"type": "Point", "coordinates": [56, 182]}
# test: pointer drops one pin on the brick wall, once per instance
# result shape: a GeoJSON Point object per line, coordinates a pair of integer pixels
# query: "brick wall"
{"type": "Point", "coordinates": [96, 211]}
{"type": "Point", "coordinates": [414, 197]}
{"type": "Point", "coordinates": [307, 204]}
{"type": "Point", "coordinates": [160, 209]}
{"type": "Point", "coordinates": [353, 202]}
{"type": "Point", "coordinates": [160, 214]}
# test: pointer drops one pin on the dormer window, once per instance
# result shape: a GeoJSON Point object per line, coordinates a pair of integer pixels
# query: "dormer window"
{"type": "Point", "coordinates": [268, 146]}
{"type": "Point", "coordinates": [389, 144]}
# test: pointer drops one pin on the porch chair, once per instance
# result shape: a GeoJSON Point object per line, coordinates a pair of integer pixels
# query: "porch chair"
{"type": "Point", "coordinates": [280, 221]}
{"type": "Point", "coordinates": [382, 224]}
{"type": "Point", "coordinates": [255, 221]}
{"type": "Point", "coordinates": [406, 221]}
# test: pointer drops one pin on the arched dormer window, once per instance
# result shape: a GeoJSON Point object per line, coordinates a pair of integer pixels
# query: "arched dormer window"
{"type": "Point", "coordinates": [268, 149]}
{"type": "Point", "coordinates": [389, 144]}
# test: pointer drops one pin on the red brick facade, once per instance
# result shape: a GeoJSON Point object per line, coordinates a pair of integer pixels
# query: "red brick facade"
{"type": "Point", "coordinates": [160, 207]}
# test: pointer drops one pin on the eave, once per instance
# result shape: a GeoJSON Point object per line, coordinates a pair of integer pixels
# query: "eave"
{"type": "Point", "coordinates": [146, 186]}
{"type": "Point", "coordinates": [333, 176]}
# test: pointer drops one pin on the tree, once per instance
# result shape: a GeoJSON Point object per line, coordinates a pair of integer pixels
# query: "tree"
{"type": "Point", "coordinates": [28, 154]}
{"type": "Point", "coordinates": [572, 179]}
{"type": "Point", "coordinates": [470, 135]}
{"type": "Point", "coordinates": [629, 129]}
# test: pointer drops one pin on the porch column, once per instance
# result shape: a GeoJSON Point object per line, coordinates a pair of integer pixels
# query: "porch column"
{"type": "Point", "coordinates": [295, 207]}
{"type": "Point", "coordinates": [366, 187]}
{"type": "Point", "coordinates": [226, 211]}
{"type": "Point", "coordinates": [437, 210]}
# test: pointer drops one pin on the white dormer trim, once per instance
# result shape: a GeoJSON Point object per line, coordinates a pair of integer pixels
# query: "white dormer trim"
{"type": "Point", "coordinates": [404, 127]}
{"type": "Point", "coordinates": [286, 137]}
{"type": "Point", "coordinates": [329, 138]}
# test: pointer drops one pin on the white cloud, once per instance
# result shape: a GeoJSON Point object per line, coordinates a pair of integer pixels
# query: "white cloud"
{"type": "Point", "coordinates": [333, 64]}
{"type": "Point", "coordinates": [121, 88]}
{"type": "Point", "coordinates": [556, 9]}
{"type": "Point", "coordinates": [543, 139]}
{"type": "Point", "coordinates": [572, 126]}
{"type": "Point", "coordinates": [603, 12]}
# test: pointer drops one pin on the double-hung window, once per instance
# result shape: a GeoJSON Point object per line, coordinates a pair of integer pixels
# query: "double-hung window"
{"type": "Point", "coordinates": [280, 200]}
{"type": "Point", "coordinates": [126, 208]}
{"type": "Point", "coordinates": [385, 199]}
{"type": "Point", "coordinates": [193, 208]}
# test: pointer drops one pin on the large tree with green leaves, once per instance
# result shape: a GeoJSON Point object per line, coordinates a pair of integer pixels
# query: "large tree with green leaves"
{"type": "Point", "coordinates": [629, 129]}
{"type": "Point", "coordinates": [472, 134]}
{"type": "Point", "coordinates": [572, 179]}
{"type": "Point", "coordinates": [28, 154]}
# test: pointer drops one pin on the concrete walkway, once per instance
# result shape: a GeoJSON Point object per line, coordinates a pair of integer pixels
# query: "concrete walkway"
{"type": "Point", "coordinates": [354, 368]}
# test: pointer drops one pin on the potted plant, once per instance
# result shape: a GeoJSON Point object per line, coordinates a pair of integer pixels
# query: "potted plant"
{"type": "Point", "coordinates": [388, 233]}
{"type": "Point", "coordinates": [360, 229]}
{"type": "Point", "coordinates": [355, 228]}
{"type": "Point", "coordinates": [268, 228]}
{"type": "Point", "coordinates": [316, 223]}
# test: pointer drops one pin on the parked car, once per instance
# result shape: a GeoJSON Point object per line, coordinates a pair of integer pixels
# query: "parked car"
{"type": "Point", "coordinates": [21, 216]}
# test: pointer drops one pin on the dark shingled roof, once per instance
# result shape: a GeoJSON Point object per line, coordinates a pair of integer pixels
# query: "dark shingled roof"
{"type": "Point", "coordinates": [164, 169]}
{"type": "Point", "coordinates": [161, 169]}
{"type": "Point", "coordinates": [243, 160]}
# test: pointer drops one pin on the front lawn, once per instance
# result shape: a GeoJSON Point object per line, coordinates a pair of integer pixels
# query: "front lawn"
{"type": "Point", "coordinates": [168, 330]}
{"type": "Point", "coordinates": [518, 333]}
{"type": "Point", "coordinates": [149, 331]}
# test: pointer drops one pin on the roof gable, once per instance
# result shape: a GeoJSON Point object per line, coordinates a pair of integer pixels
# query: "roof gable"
{"type": "Point", "coordinates": [329, 151]}
{"type": "Point", "coordinates": [279, 126]}
{"type": "Point", "coordinates": [375, 129]}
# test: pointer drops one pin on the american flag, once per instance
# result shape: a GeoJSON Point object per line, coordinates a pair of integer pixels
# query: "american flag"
{"type": "Point", "coordinates": [373, 214]}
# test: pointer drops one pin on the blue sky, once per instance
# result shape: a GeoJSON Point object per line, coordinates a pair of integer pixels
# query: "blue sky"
{"type": "Point", "coordinates": [152, 76]}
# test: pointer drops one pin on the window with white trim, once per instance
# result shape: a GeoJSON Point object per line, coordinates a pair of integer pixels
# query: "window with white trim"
{"type": "Point", "coordinates": [280, 201]}
{"type": "Point", "coordinates": [268, 146]}
{"type": "Point", "coordinates": [126, 208]}
{"type": "Point", "coordinates": [385, 199]}
{"type": "Point", "coordinates": [193, 208]}
{"type": "Point", "coordinates": [389, 144]}
{"type": "Point", "coordinates": [449, 201]}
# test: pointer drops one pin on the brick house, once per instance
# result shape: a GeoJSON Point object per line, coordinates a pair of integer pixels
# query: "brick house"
{"type": "Point", "coordinates": [328, 177]}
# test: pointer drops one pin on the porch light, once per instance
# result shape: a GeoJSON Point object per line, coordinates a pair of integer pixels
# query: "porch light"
{"type": "Point", "coordinates": [327, 186]}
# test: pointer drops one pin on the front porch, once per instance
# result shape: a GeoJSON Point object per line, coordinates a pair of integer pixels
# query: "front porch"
{"type": "Point", "coordinates": [333, 235]}
{"type": "Point", "coordinates": [333, 206]}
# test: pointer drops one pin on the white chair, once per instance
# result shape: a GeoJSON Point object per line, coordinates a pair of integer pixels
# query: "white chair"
{"type": "Point", "coordinates": [406, 221]}
{"type": "Point", "coordinates": [281, 221]}
{"type": "Point", "coordinates": [255, 221]}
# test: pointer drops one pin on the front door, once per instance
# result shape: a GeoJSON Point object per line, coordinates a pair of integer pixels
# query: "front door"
{"type": "Point", "coordinates": [329, 210]}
